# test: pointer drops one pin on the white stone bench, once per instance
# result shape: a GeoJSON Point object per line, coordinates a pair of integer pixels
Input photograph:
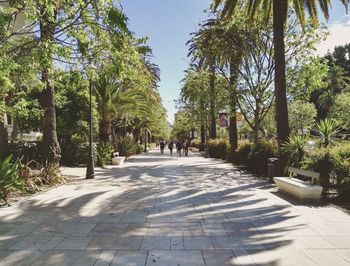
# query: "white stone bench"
{"type": "Point", "coordinates": [118, 160]}
{"type": "Point", "coordinates": [303, 191]}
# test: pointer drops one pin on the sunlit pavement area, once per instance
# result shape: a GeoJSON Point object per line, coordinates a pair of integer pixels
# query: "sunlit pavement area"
{"type": "Point", "coordinates": [163, 210]}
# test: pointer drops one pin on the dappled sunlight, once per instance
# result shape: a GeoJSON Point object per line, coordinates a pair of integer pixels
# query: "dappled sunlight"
{"type": "Point", "coordinates": [137, 207]}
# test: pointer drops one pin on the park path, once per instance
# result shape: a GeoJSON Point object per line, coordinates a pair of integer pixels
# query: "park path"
{"type": "Point", "coordinates": [163, 210]}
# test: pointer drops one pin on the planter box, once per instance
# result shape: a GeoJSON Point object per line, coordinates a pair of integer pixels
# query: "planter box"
{"type": "Point", "coordinates": [118, 160]}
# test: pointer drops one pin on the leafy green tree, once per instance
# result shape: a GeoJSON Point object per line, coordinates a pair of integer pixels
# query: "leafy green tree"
{"type": "Point", "coordinates": [72, 107]}
{"type": "Point", "coordinates": [340, 110]}
{"type": "Point", "coordinates": [302, 115]}
{"type": "Point", "coordinates": [307, 78]}
{"type": "Point", "coordinates": [278, 10]}
{"type": "Point", "coordinates": [182, 126]}
{"type": "Point", "coordinates": [340, 57]}
{"type": "Point", "coordinates": [336, 81]}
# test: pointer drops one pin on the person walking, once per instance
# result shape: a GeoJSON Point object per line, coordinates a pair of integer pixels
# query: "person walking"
{"type": "Point", "coordinates": [162, 146]}
{"type": "Point", "coordinates": [179, 147]}
{"type": "Point", "coordinates": [171, 146]}
{"type": "Point", "coordinates": [185, 147]}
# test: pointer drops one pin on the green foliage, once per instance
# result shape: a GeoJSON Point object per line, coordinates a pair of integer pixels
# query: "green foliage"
{"type": "Point", "coordinates": [322, 161]}
{"type": "Point", "coordinates": [327, 132]}
{"type": "Point", "coordinates": [333, 164]}
{"type": "Point", "coordinates": [104, 152]}
{"type": "Point", "coordinates": [307, 78]}
{"type": "Point", "coordinates": [218, 148]}
{"type": "Point", "coordinates": [258, 155]}
{"type": "Point", "coordinates": [25, 151]}
{"type": "Point", "coordinates": [182, 126]}
{"type": "Point", "coordinates": [72, 105]}
{"type": "Point", "coordinates": [241, 155]}
{"type": "Point", "coordinates": [296, 150]}
{"type": "Point", "coordinates": [340, 110]}
{"type": "Point", "coordinates": [302, 115]}
{"type": "Point", "coordinates": [126, 146]}
{"type": "Point", "coordinates": [9, 178]}
{"type": "Point", "coordinates": [139, 149]}
{"type": "Point", "coordinates": [344, 189]}
{"type": "Point", "coordinates": [75, 152]}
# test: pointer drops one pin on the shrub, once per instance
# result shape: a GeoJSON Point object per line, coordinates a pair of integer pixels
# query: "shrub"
{"type": "Point", "coordinates": [327, 131]}
{"type": "Point", "coordinates": [196, 143]}
{"type": "Point", "coordinates": [296, 150]}
{"type": "Point", "coordinates": [104, 152]}
{"type": "Point", "coordinates": [322, 161]}
{"type": "Point", "coordinates": [74, 153]}
{"type": "Point", "coordinates": [218, 148]}
{"type": "Point", "coordinates": [139, 148]}
{"type": "Point", "coordinates": [126, 146]}
{"type": "Point", "coordinates": [241, 154]}
{"type": "Point", "coordinates": [258, 155]}
{"type": "Point", "coordinates": [9, 178]}
{"type": "Point", "coordinates": [25, 151]}
{"type": "Point", "coordinates": [333, 164]}
{"type": "Point", "coordinates": [344, 189]}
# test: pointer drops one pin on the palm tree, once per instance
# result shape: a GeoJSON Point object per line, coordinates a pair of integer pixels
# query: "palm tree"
{"type": "Point", "coordinates": [229, 35]}
{"type": "Point", "coordinates": [278, 9]}
{"type": "Point", "coordinates": [203, 46]}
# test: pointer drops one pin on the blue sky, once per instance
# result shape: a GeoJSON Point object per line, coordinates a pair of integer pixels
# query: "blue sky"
{"type": "Point", "coordinates": [168, 24]}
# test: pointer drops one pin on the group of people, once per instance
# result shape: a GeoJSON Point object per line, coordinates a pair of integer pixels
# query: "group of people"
{"type": "Point", "coordinates": [181, 146]}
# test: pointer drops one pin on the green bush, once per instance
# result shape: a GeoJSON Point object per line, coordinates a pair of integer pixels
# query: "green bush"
{"type": "Point", "coordinates": [218, 148]}
{"type": "Point", "coordinates": [296, 150]}
{"type": "Point", "coordinates": [333, 164]}
{"type": "Point", "coordinates": [241, 154]}
{"type": "Point", "coordinates": [126, 146]}
{"type": "Point", "coordinates": [9, 178]}
{"type": "Point", "coordinates": [344, 189]}
{"type": "Point", "coordinates": [139, 148]}
{"type": "Point", "coordinates": [322, 161]}
{"type": "Point", "coordinates": [196, 143]}
{"type": "Point", "coordinates": [104, 152]}
{"type": "Point", "coordinates": [75, 153]}
{"type": "Point", "coordinates": [258, 155]}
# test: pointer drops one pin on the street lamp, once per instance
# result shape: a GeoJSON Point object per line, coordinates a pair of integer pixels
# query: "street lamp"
{"type": "Point", "coordinates": [90, 171]}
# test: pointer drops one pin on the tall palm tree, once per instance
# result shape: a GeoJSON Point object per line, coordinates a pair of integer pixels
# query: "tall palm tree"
{"type": "Point", "coordinates": [230, 37]}
{"type": "Point", "coordinates": [203, 46]}
{"type": "Point", "coordinates": [278, 9]}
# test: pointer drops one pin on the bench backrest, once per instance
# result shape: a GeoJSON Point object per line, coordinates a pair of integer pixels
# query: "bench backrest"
{"type": "Point", "coordinates": [295, 171]}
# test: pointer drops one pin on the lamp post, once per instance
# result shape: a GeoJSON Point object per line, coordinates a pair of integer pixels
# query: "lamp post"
{"type": "Point", "coordinates": [90, 171]}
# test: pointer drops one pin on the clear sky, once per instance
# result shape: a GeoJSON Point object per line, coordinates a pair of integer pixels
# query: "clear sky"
{"type": "Point", "coordinates": [168, 24]}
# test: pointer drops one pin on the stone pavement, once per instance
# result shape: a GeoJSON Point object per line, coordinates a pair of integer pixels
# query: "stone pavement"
{"type": "Point", "coordinates": [162, 210]}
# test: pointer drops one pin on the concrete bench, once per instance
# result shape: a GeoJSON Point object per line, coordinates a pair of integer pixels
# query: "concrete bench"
{"type": "Point", "coordinates": [118, 160]}
{"type": "Point", "coordinates": [301, 190]}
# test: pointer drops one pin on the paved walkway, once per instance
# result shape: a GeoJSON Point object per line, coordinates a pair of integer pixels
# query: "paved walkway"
{"type": "Point", "coordinates": [162, 210]}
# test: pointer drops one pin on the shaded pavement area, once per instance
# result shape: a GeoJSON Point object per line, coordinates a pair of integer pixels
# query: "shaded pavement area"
{"type": "Point", "coordinates": [163, 210]}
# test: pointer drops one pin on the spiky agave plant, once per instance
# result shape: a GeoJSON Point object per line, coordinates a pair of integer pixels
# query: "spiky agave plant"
{"type": "Point", "coordinates": [296, 150]}
{"type": "Point", "coordinates": [327, 131]}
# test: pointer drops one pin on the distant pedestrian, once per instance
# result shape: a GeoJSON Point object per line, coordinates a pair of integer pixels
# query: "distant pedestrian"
{"type": "Point", "coordinates": [162, 146]}
{"type": "Point", "coordinates": [171, 147]}
{"type": "Point", "coordinates": [179, 147]}
{"type": "Point", "coordinates": [185, 147]}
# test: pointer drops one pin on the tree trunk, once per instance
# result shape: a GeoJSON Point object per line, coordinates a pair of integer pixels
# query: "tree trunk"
{"type": "Point", "coordinates": [212, 103]}
{"type": "Point", "coordinates": [51, 151]}
{"type": "Point", "coordinates": [14, 133]}
{"type": "Point", "coordinates": [202, 134]}
{"type": "Point", "coordinates": [279, 18]}
{"type": "Point", "coordinates": [4, 145]}
{"type": "Point", "coordinates": [234, 65]}
{"type": "Point", "coordinates": [105, 130]}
